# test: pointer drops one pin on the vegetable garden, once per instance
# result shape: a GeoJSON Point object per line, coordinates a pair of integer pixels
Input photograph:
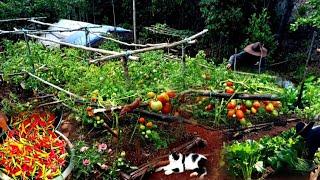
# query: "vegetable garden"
{"type": "Point", "coordinates": [71, 118]}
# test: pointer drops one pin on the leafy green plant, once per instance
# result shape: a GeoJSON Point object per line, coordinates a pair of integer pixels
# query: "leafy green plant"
{"type": "Point", "coordinates": [242, 157]}
{"type": "Point", "coordinates": [284, 152]}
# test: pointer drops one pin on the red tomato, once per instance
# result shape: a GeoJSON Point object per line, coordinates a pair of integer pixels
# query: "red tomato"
{"type": "Point", "coordinates": [231, 105]}
{"type": "Point", "coordinates": [166, 109]}
{"type": "Point", "coordinates": [141, 120]}
{"type": "Point", "coordinates": [256, 104]}
{"type": "Point", "coordinates": [243, 108]}
{"type": "Point", "coordinates": [163, 97]}
{"type": "Point", "coordinates": [231, 113]}
{"type": "Point", "coordinates": [171, 93]}
{"type": "Point", "coordinates": [230, 91]}
{"type": "Point", "coordinates": [239, 114]}
{"type": "Point", "coordinates": [229, 83]}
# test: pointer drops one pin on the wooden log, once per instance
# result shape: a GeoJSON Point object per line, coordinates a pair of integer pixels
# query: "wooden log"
{"type": "Point", "coordinates": [270, 97]}
{"type": "Point", "coordinates": [258, 125]}
{"type": "Point", "coordinates": [82, 47]}
{"type": "Point", "coordinates": [151, 48]}
{"type": "Point", "coordinates": [169, 119]}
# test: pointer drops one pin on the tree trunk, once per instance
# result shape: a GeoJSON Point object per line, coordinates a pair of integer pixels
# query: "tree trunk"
{"type": "Point", "coordinates": [283, 27]}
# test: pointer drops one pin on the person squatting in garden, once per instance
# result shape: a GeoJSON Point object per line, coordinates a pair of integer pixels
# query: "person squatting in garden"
{"type": "Point", "coordinates": [252, 56]}
{"type": "Point", "coordinates": [311, 135]}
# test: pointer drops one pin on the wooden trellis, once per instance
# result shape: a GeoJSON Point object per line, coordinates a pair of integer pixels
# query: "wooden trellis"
{"type": "Point", "coordinates": [124, 55]}
{"type": "Point", "coordinates": [166, 30]}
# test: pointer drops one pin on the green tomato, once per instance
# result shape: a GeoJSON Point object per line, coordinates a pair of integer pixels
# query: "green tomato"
{"type": "Point", "coordinates": [90, 121]}
{"type": "Point", "coordinates": [146, 136]}
{"type": "Point", "coordinates": [148, 132]}
{"type": "Point", "coordinates": [123, 154]}
{"type": "Point", "coordinates": [77, 118]}
{"type": "Point", "coordinates": [143, 133]}
{"type": "Point", "coordinates": [248, 103]}
{"type": "Point", "coordinates": [275, 113]}
{"type": "Point", "coordinates": [98, 118]}
{"type": "Point", "coordinates": [142, 127]}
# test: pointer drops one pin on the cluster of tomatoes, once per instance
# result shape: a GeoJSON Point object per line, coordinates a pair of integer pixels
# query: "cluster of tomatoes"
{"type": "Point", "coordinates": [229, 89]}
{"type": "Point", "coordinates": [146, 127]}
{"type": "Point", "coordinates": [238, 108]}
{"type": "Point", "coordinates": [161, 102]}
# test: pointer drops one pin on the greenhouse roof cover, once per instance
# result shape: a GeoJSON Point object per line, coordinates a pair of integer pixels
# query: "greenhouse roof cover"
{"type": "Point", "coordinates": [79, 37]}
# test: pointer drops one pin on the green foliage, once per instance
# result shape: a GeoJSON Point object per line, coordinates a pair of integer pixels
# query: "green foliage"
{"type": "Point", "coordinates": [282, 152]}
{"type": "Point", "coordinates": [310, 98]}
{"type": "Point", "coordinates": [241, 158]}
{"type": "Point", "coordinates": [221, 17]}
{"type": "Point", "coordinates": [153, 135]}
{"type": "Point", "coordinates": [259, 30]}
{"type": "Point", "coordinates": [310, 15]}
{"type": "Point", "coordinates": [53, 9]}
{"type": "Point", "coordinates": [70, 70]}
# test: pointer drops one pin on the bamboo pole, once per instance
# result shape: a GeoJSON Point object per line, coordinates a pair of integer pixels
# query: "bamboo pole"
{"type": "Point", "coordinates": [82, 47]}
{"type": "Point", "coordinates": [134, 21]}
{"type": "Point", "coordinates": [151, 48]}
{"type": "Point", "coordinates": [21, 19]}
{"type": "Point", "coordinates": [55, 86]}
{"type": "Point", "coordinates": [128, 44]}
{"type": "Point", "coordinates": [18, 31]}
{"type": "Point", "coordinates": [46, 24]}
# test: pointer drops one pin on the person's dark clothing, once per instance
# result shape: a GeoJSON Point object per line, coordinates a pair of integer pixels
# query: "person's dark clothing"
{"type": "Point", "coordinates": [245, 59]}
{"type": "Point", "coordinates": [312, 138]}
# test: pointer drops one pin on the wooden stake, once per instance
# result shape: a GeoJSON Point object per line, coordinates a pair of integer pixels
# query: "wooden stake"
{"type": "Point", "coordinates": [125, 68]}
{"type": "Point", "coordinates": [151, 48]}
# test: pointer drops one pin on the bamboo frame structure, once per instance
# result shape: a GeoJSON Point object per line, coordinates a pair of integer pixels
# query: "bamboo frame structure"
{"type": "Point", "coordinates": [151, 48]}
{"type": "Point", "coordinates": [81, 47]}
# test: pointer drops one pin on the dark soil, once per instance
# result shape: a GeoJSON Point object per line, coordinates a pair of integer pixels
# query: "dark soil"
{"type": "Point", "coordinates": [215, 141]}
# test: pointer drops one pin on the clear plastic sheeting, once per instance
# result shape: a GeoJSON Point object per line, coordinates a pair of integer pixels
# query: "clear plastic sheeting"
{"type": "Point", "coordinates": [84, 33]}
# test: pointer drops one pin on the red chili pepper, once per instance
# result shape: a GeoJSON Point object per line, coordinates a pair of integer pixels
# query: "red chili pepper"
{"type": "Point", "coordinates": [14, 149]}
